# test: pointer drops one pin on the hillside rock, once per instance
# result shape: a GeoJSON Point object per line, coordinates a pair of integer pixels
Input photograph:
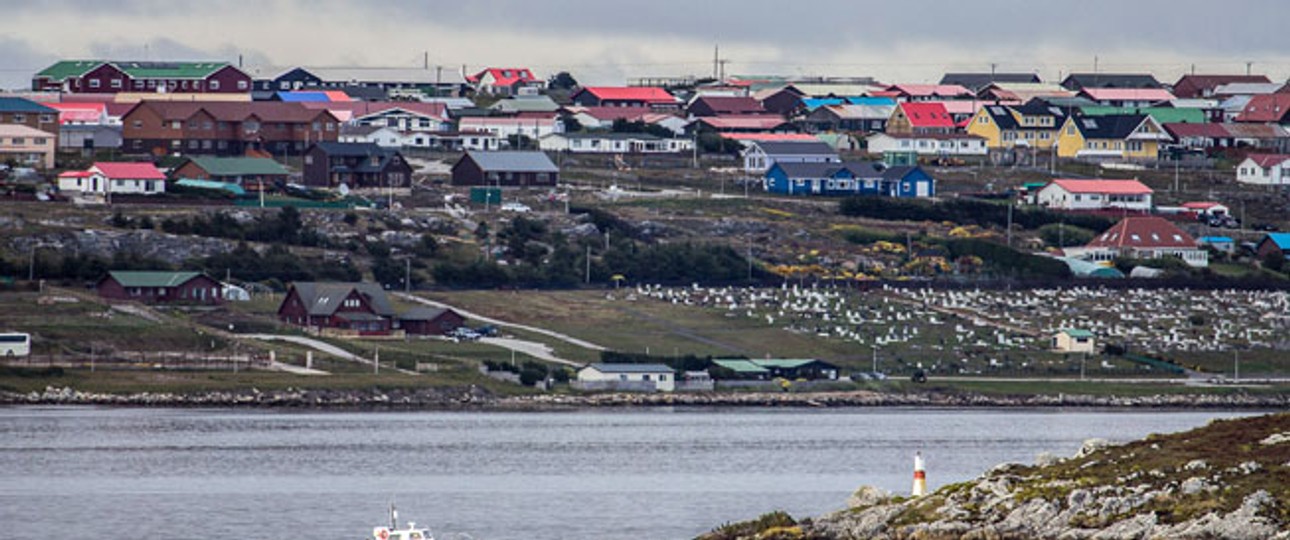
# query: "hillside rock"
{"type": "Point", "coordinates": [1214, 482]}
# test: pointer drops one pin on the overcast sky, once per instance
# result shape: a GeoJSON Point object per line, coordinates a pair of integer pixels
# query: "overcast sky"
{"type": "Point", "coordinates": [607, 41]}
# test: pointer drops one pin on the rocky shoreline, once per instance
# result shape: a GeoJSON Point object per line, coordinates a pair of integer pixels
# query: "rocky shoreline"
{"type": "Point", "coordinates": [474, 397]}
{"type": "Point", "coordinates": [1229, 480]}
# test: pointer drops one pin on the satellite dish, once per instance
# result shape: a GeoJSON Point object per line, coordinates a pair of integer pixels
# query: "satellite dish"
{"type": "Point", "coordinates": [344, 190]}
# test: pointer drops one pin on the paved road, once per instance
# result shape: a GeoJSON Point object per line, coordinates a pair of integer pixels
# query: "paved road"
{"type": "Point", "coordinates": [475, 316]}
{"type": "Point", "coordinates": [288, 368]}
{"type": "Point", "coordinates": [537, 350]}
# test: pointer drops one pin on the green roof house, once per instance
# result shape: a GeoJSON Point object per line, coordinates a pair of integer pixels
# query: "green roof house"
{"type": "Point", "coordinates": [160, 287]}
{"type": "Point", "coordinates": [113, 76]}
{"type": "Point", "coordinates": [248, 172]}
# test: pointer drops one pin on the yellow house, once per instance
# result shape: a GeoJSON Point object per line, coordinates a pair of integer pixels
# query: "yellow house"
{"type": "Point", "coordinates": [1124, 136]}
{"type": "Point", "coordinates": [1032, 125]}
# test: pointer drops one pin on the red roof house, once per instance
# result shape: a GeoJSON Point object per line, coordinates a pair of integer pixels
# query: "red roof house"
{"type": "Point", "coordinates": [1266, 108]}
{"type": "Point", "coordinates": [1142, 237]}
{"type": "Point", "coordinates": [128, 171]}
{"type": "Point", "coordinates": [925, 92]}
{"type": "Point", "coordinates": [1073, 194]}
{"type": "Point", "coordinates": [503, 81]}
{"type": "Point", "coordinates": [921, 118]}
{"type": "Point", "coordinates": [625, 96]}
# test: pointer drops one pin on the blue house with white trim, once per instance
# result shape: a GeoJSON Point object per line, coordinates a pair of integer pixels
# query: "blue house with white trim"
{"type": "Point", "coordinates": [847, 179]}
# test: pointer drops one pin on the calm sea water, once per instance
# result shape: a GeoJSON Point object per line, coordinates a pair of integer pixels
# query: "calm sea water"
{"type": "Point", "coordinates": [235, 474]}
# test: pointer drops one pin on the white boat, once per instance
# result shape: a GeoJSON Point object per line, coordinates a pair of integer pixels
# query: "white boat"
{"type": "Point", "coordinates": [393, 532]}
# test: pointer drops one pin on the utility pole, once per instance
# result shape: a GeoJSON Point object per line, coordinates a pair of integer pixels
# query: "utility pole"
{"type": "Point", "coordinates": [1009, 224]}
{"type": "Point", "coordinates": [875, 359]}
{"type": "Point", "coordinates": [716, 59]}
{"type": "Point", "coordinates": [1248, 67]}
{"type": "Point", "coordinates": [992, 68]}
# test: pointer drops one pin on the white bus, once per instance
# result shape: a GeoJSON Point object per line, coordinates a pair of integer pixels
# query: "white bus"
{"type": "Point", "coordinates": [15, 344]}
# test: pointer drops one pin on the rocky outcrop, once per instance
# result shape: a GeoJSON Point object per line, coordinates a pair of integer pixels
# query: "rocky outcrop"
{"type": "Point", "coordinates": [105, 243]}
{"type": "Point", "coordinates": [1229, 480]}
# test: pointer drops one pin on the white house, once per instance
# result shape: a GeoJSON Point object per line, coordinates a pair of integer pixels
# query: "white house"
{"type": "Point", "coordinates": [1072, 340]}
{"type": "Point", "coordinates": [637, 377]}
{"type": "Point", "coordinates": [760, 155]}
{"type": "Point", "coordinates": [383, 136]}
{"type": "Point", "coordinates": [614, 143]}
{"type": "Point", "coordinates": [109, 178]}
{"type": "Point", "coordinates": [932, 144]}
{"type": "Point", "coordinates": [505, 127]}
{"type": "Point", "coordinates": [1267, 169]}
{"type": "Point", "coordinates": [1069, 194]}
{"type": "Point", "coordinates": [453, 140]}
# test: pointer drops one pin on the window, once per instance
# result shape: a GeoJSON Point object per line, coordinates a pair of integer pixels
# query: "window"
{"type": "Point", "coordinates": [19, 141]}
{"type": "Point", "coordinates": [184, 85]}
{"type": "Point", "coordinates": [241, 85]}
{"type": "Point", "coordinates": [309, 160]}
{"type": "Point", "coordinates": [39, 140]}
{"type": "Point", "coordinates": [116, 83]}
{"type": "Point", "coordinates": [214, 85]}
{"type": "Point", "coordinates": [46, 118]}
{"type": "Point", "coordinates": [138, 85]}
{"type": "Point", "coordinates": [19, 118]}
{"type": "Point", "coordinates": [222, 145]}
{"type": "Point", "coordinates": [152, 84]}
{"type": "Point", "coordinates": [95, 83]}
{"type": "Point", "coordinates": [192, 144]}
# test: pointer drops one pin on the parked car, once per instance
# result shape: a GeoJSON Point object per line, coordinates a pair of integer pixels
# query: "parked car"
{"type": "Point", "coordinates": [516, 207]}
{"type": "Point", "coordinates": [464, 334]}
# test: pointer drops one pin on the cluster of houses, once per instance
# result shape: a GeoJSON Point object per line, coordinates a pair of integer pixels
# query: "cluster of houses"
{"type": "Point", "coordinates": [221, 109]}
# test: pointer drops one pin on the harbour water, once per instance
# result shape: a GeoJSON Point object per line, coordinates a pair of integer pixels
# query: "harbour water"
{"type": "Point", "coordinates": [596, 474]}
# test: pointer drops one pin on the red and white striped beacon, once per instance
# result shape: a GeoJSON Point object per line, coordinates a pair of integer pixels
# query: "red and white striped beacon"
{"type": "Point", "coordinates": [920, 476]}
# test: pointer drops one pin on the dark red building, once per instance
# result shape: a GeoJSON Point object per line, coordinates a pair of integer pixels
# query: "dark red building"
{"type": "Point", "coordinates": [224, 128]}
{"type": "Point", "coordinates": [110, 77]}
{"type": "Point", "coordinates": [426, 321]}
{"type": "Point", "coordinates": [329, 164]}
{"type": "Point", "coordinates": [501, 169]}
{"type": "Point", "coordinates": [361, 307]}
{"type": "Point", "coordinates": [161, 288]}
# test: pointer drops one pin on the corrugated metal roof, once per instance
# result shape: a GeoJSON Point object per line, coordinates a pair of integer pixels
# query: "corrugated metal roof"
{"type": "Point", "coordinates": [21, 105]}
{"type": "Point", "coordinates": [152, 279]}
{"type": "Point", "coordinates": [740, 366]}
{"type": "Point", "coordinates": [631, 368]}
{"type": "Point", "coordinates": [229, 166]}
{"type": "Point", "coordinates": [513, 161]}
{"type": "Point", "coordinates": [324, 298]}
